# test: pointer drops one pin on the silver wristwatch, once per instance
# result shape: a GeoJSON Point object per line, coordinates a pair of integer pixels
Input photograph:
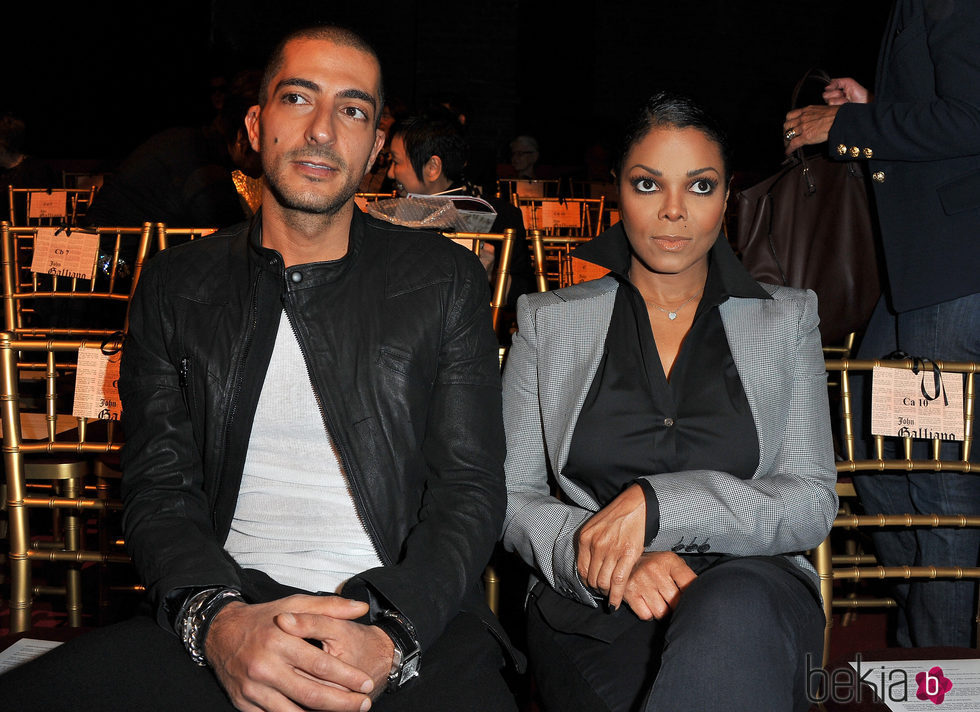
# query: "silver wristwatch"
{"type": "Point", "coordinates": [407, 655]}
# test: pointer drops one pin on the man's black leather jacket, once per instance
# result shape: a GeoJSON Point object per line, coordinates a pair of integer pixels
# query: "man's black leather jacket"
{"type": "Point", "coordinates": [399, 347]}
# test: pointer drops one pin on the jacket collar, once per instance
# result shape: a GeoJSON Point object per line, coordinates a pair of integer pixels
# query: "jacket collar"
{"type": "Point", "coordinates": [313, 273]}
{"type": "Point", "coordinates": [727, 276]}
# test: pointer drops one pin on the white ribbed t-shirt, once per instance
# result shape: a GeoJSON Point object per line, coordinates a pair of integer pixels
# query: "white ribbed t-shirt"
{"type": "Point", "coordinates": [295, 518]}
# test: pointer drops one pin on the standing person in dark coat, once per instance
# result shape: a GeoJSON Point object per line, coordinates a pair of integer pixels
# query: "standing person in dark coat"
{"type": "Point", "coordinates": [920, 135]}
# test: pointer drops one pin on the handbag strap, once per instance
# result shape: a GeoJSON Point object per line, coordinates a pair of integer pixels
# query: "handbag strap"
{"type": "Point", "coordinates": [822, 76]}
{"type": "Point", "coordinates": [812, 73]}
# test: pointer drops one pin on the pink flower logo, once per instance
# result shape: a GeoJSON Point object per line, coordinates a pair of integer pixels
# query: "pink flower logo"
{"type": "Point", "coordinates": [933, 685]}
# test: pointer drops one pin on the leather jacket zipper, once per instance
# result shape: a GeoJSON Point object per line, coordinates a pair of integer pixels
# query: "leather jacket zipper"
{"type": "Point", "coordinates": [233, 401]}
{"type": "Point", "coordinates": [339, 452]}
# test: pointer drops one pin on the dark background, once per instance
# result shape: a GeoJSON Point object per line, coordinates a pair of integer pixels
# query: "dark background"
{"type": "Point", "coordinates": [93, 80]}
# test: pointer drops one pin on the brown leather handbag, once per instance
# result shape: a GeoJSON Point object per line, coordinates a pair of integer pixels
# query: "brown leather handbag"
{"type": "Point", "coordinates": [810, 226]}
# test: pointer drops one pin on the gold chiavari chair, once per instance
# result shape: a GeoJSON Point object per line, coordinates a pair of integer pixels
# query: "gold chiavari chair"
{"type": "Point", "coordinates": [41, 304]}
{"type": "Point", "coordinates": [49, 206]}
{"type": "Point", "coordinates": [855, 567]}
{"type": "Point", "coordinates": [551, 256]}
{"type": "Point", "coordinates": [53, 307]}
{"type": "Point", "coordinates": [32, 443]}
{"type": "Point", "coordinates": [504, 250]}
{"type": "Point", "coordinates": [170, 236]}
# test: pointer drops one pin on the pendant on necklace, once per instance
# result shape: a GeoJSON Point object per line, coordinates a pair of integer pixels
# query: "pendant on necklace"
{"type": "Point", "coordinates": [671, 315]}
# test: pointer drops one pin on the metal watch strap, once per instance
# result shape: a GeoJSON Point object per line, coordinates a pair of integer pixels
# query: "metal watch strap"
{"type": "Point", "coordinates": [406, 659]}
{"type": "Point", "coordinates": [196, 617]}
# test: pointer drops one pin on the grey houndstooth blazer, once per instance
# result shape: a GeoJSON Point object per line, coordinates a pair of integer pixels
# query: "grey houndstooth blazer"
{"type": "Point", "coordinates": [787, 507]}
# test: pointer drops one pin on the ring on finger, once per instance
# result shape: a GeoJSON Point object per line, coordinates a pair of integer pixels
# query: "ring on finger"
{"type": "Point", "coordinates": [790, 135]}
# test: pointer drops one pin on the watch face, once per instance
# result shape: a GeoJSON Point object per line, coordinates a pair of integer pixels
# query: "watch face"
{"type": "Point", "coordinates": [410, 669]}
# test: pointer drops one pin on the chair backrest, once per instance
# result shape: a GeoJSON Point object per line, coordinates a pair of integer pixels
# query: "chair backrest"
{"type": "Point", "coordinates": [361, 200]}
{"type": "Point", "coordinates": [170, 236]}
{"type": "Point", "coordinates": [570, 217]}
{"type": "Point", "coordinates": [595, 189]}
{"type": "Point", "coordinates": [918, 446]}
{"type": "Point", "coordinates": [941, 458]}
{"type": "Point", "coordinates": [82, 283]}
{"type": "Point", "coordinates": [49, 206]}
{"type": "Point", "coordinates": [77, 437]}
{"type": "Point", "coordinates": [503, 244]}
{"type": "Point", "coordinates": [554, 266]}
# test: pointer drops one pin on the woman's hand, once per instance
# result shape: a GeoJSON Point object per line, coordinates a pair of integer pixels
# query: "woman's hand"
{"type": "Point", "coordinates": [845, 90]}
{"type": "Point", "coordinates": [808, 125]}
{"type": "Point", "coordinates": [611, 542]}
{"type": "Point", "coordinates": [656, 584]}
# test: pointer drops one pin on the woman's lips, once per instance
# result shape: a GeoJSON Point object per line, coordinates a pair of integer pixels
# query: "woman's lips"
{"type": "Point", "coordinates": [671, 243]}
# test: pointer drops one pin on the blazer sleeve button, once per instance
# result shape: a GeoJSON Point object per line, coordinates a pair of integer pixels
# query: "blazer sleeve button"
{"type": "Point", "coordinates": [878, 176]}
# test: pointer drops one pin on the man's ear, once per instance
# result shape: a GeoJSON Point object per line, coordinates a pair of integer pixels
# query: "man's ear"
{"type": "Point", "coordinates": [432, 170]}
{"type": "Point", "coordinates": [252, 126]}
{"type": "Point", "coordinates": [379, 142]}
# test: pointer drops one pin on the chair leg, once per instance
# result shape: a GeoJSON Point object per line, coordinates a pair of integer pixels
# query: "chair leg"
{"type": "Point", "coordinates": [73, 542]}
{"type": "Point", "coordinates": [20, 565]}
{"type": "Point", "coordinates": [822, 556]}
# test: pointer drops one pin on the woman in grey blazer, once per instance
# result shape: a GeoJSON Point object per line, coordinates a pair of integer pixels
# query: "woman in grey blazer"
{"type": "Point", "coordinates": [669, 447]}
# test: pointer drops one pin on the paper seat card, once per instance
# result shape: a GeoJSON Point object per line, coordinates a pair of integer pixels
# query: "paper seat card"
{"type": "Point", "coordinates": [583, 271]}
{"type": "Point", "coordinates": [58, 253]}
{"type": "Point", "coordinates": [899, 407]}
{"type": "Point", "coordinates": [97, 385]}
{"type": "Point", "coordinates": [555, 214]}
{"type": "Point", "coordinates": [47, 205]}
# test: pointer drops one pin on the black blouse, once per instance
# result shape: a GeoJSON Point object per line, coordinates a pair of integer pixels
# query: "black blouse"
{"type": "Point", "coordinates": [634, 421]}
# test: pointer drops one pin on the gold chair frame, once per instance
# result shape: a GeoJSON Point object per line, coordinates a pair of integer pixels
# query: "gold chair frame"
{"type": "Point", "coordinates": [77, 201]}
{"type": "Point", "coordinates": [19, 455]}
{"type": "Point", "coordinates": [165, 235]}
{"type": "Point", "coordinates": [552, 258]}
{"type": "Point", "coordinates": [498, 298]}
{"type": "Point", "coordinates": [20, 285]}
{"type": "Point", "coordinates": [853, 566]}
{"type": "Point", "coordinates": [591, 212]}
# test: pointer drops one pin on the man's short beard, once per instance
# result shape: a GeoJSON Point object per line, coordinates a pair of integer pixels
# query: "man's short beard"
{"type": "Point", "coordinates": [313, 205]}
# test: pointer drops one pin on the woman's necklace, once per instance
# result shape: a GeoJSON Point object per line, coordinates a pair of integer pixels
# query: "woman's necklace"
{"type": "Point", "coordinates": [672, 313]}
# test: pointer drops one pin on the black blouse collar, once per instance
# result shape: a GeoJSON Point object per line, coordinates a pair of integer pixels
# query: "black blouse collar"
{"type": "Point", "coordinates": [727, 276]}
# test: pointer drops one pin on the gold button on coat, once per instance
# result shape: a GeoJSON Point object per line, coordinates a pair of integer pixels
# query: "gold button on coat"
{"type": "Point", "coordinates": [878, 176]}
{"type": "Point", "coordinates": [855, 151]}
{"type": "Point", "coordinates": [868, 153]}
{"type": "Point", "coordinates": [841, 149]}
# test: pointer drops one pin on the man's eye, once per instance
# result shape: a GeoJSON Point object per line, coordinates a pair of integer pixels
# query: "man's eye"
{"type": "Point", "coordinates": [354, 112]}
{"type": "Point", "coordinates": [293, 98]}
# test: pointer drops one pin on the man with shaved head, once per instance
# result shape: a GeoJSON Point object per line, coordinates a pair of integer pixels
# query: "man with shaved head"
{"type": "Point", "coordinates": [313, 475]}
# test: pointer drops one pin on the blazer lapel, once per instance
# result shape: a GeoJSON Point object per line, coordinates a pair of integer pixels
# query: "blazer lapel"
{"type": "Point", "coordinates": [761, 361]}
{"type": "Point", "coordinates": [571, 337]}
